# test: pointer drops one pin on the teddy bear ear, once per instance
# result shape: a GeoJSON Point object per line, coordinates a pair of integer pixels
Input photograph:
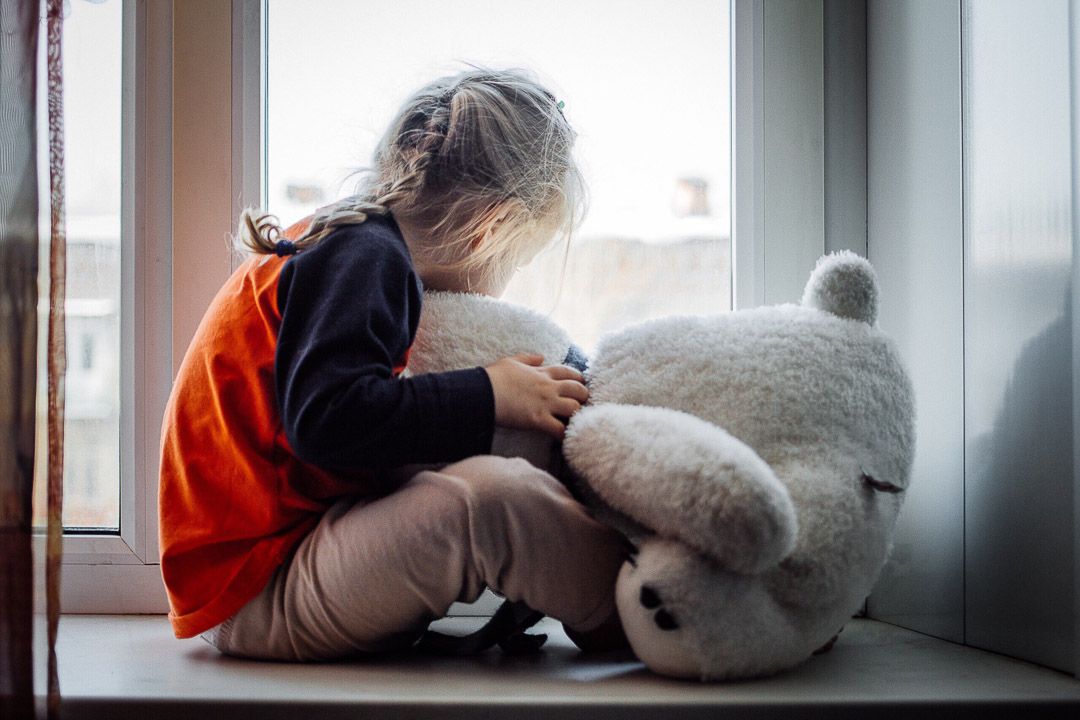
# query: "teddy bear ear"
{"type": "Point", "coordinates": [843, 284]}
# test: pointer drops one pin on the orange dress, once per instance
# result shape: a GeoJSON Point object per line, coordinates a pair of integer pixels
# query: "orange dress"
{"type": "Point", "coordinates": [234, 497]}
{"type": "Point", "coordinates": [231, 507]}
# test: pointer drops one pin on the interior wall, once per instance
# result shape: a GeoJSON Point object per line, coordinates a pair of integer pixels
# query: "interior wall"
{"type": "Point", "coordinates": [1074, 127]}
{"type": "Point", "coordinates": [1018, 330]}
{"type": "Point", "coordinates": [915, 241]}
{"type": "Point", "coordinates": [970, 227]}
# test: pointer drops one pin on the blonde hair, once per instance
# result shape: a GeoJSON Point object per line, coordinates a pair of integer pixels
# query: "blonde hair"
{"type": "Point", "coordinates": [481, 162]}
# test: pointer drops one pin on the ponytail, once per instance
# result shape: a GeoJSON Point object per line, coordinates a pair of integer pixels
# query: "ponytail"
{"type": "Point", "coordinates": [262, 234]}
{"type": "Point", "coordinates": [258, 233]}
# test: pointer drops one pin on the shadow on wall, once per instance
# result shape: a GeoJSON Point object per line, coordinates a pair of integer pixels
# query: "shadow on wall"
{"type": "Point", "coordinates": [1019, 540]}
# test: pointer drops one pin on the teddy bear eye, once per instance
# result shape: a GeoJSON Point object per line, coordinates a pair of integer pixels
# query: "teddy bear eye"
{"type": "Point", "coordinates": [886, 487]}
{"type": "Point", "coordinates": [649, 599]}
{"type": "Point", "coordinates": [665, 621]}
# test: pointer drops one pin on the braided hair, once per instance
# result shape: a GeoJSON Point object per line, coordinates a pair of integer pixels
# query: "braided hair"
{"type": "Point", "coordinates": [482, 153]}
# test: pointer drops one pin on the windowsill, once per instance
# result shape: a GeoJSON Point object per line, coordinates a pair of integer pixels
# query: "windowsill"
{"type": "Point", "coordinates": [120, 666]}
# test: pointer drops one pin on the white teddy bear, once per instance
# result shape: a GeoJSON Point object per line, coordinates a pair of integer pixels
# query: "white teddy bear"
{"type": "Point", "coordinates": [757, 460]}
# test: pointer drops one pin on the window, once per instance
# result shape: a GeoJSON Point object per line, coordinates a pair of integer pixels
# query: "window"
{"type": "Point", "coordinates": [190, 138]}
{"type": "Point", "coordinates": [92, 128]}
{"type": "Point", "coordinates": [647, 88]}
{"type": "Point", "coordinates": [1018, 293]}
{"type": "Point", "coordinates": [117, 76]}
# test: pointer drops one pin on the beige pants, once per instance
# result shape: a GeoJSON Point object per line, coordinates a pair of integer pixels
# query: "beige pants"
{"type": "Point", "coordinates": [372, 575]}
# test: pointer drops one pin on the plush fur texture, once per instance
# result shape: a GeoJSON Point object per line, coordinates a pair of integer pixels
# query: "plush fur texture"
{"type": "Point", "coordinates": [716, 495]}
{"type": "Point", "coordinates": [845, 285]}
{"type": "Point", "coordinates": [759, 458]}
{"type": "Point", "coordinates": [462, 330]}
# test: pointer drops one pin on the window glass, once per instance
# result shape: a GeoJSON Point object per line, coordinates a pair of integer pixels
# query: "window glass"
{"type": "Point", "coordinates": [646, 85]}
{"type": "Point", "coordinates": [1019, 286]}
{"type": "Point", "coordinates": [92, 132]}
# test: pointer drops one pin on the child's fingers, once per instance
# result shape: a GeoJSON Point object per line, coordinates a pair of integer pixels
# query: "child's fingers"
{"type": "Point", "coordinates": [565, 407]}
{"type": "Point", "coordinates": [533, 359]}
{"type": "Point", "coordinates": [554, 427]}
{"type": "Point", "coordinates": [562, 372]}
{"type": "Point", "coordinates": [573, 389]}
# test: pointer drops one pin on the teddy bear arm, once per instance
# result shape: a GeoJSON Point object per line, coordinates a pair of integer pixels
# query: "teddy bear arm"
{"type": "Point", "coordinates": [684, 478]}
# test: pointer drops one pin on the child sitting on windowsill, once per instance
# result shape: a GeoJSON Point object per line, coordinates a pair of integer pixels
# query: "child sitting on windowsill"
{"type": "Point", "coordinates": [286, 532]}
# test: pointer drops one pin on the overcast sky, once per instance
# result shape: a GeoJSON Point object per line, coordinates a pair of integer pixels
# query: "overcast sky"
{"type": "Point", "coordinates": [646, 85]}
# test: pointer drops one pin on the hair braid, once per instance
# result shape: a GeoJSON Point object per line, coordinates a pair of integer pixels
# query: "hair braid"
{"type": "Point", "coordinates": [427, 139]}
{"type": "Point", "coordinates": [261, 232]}
{"type": "Point", "coordinates": [481, 163]}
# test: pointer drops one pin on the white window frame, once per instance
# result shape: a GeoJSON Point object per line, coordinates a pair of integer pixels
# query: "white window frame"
{"type": "Point", "coordinates": [190, 156]}
{"type": "Point", "coordinates": [193, 123]}
{"type": "Point", "coordinates": [777, 148]}
{"type": "Point", "coordinates": [117, 572]}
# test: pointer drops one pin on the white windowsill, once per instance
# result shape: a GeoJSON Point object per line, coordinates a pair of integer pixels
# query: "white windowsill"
{"type": "Point", "coordinates": [130, 666]}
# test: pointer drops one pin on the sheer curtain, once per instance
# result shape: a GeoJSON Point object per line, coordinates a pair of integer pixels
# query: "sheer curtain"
{"type": "Point", "coordinates": [19, 282]}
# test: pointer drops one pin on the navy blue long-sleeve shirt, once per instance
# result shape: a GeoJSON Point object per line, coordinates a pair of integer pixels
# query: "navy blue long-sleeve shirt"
{"type": "Point", "coordinates": [350, 307]}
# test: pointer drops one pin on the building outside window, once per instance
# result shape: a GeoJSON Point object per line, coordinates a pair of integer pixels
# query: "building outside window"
{"type": "Point", "coordinates": [647, 88]}
{"type": "Point", "coordinates": [92, 126]}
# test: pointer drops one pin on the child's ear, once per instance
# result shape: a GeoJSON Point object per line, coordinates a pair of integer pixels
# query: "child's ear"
{"type": "Point", "coordinates": [482, 238]}
{"type": "Point", "coordinates": [492, 222]}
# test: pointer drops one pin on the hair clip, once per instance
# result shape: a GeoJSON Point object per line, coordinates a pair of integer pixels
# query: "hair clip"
{"type": "Point", "coordinates": [284, 247]}
{"type": "Point", "coordinates": [560, 105]}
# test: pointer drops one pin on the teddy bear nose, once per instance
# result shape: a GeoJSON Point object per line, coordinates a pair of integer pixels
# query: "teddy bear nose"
{"type": "Point", "coordinates": [665, 621]}
{"type": "Point", "coordinates": [649, 598]}
{"type": "Point", "coordinates": [650, 601]}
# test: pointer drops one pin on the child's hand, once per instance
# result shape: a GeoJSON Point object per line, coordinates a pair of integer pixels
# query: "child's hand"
{"type": "Point", "coordinates": [531, 397]}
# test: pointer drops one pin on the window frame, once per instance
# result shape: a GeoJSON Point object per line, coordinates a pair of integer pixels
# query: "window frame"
{"type": "Point", "coordinates": [182, 63]}
{"type": "Point", "coordinates": [778, 162]}
{"type": "Point", "coordinates": [194, 129]}
{"type": "Point", "coordinates": [114, 572]}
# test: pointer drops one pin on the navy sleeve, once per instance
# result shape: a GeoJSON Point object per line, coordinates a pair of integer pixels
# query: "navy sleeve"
{"type": "Point", "coordinates": [349, 311]}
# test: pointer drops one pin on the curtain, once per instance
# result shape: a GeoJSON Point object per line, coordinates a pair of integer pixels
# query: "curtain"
{"type": "Point", "coordinates": [18, 348]}
{"type": "Point", "coordinates": [19, 23]}
{"type": "Point", "coordinates": [57, 348]}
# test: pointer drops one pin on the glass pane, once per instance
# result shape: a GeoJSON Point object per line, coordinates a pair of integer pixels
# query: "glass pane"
{"type": "Point", "coordinates": [1019, 520]}
{"type": "Point", "coordinates": [646, 85]}
{"type": "Point", "coordinates": [92, 129]}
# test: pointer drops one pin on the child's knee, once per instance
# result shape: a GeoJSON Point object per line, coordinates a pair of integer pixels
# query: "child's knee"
{"type": "Point", "coordinates": [493, 468]}
{"type": "Point", "coordinates": [471, 467]}
{"type": "Point", "coordinates": [494, 484]}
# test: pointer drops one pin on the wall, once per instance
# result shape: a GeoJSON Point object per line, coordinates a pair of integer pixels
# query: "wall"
{"type": "Point", "coordinates": [969, 204]}
{"type": "Point", "coordinates": [915, 241]}
{"type": "Point", "coordinates": [1017, 329]}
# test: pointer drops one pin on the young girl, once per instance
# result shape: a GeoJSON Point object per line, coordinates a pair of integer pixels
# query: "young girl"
{"type": "Point", "coordinates": [289, 529]}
